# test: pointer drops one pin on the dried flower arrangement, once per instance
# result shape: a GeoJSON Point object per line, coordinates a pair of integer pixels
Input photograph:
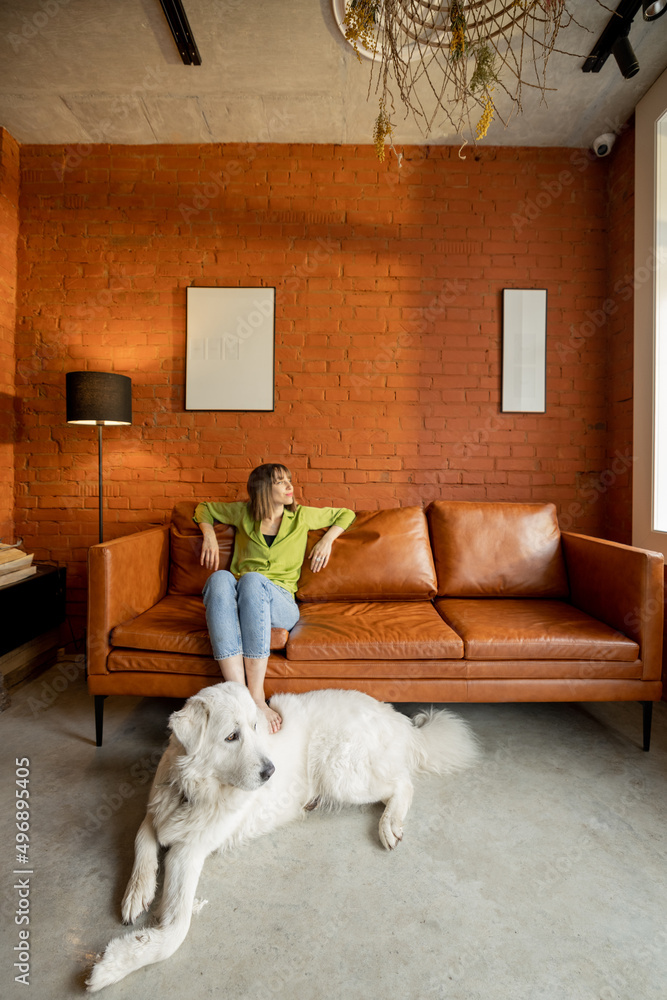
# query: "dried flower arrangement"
{"type": "Point", "coordinates": [460, 50]}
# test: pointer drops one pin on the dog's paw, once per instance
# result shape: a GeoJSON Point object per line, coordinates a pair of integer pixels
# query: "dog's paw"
{"type": "Point", "coordinates": [138, 896]}
{"type": "Point", "coordinates": [122, 956]}
{"type": "Point", "coordinates": [102, 974]}
{"type": "Point", "coordinates": [390, 833]}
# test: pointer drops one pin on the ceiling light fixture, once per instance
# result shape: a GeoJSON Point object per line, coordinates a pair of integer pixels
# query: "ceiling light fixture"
{"type": "Point", "coordinates": [653, 9]}
{"type": "Point", "coordinates": [625, 57]}
{"type": "Point", "coordinates": [462, 62]}
{"type": "Point", "coordinates": [614, 39]}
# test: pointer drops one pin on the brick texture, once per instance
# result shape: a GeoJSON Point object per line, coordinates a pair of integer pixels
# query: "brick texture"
{"type": "Point", "coordinates": [388, 327]}
{"type": "Point", "coordinates": [9, 229]}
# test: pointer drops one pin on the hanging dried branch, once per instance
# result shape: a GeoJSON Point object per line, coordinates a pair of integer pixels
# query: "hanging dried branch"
{"type": "Point", "coordinates": [459, 51]}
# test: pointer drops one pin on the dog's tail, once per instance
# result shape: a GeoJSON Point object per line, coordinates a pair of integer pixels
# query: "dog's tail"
{"type": "Point", "coordinates": [443, 742]}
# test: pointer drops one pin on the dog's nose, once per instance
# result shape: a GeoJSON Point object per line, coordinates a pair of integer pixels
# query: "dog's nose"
{"type": "Point", "coordinates": [267, 771]}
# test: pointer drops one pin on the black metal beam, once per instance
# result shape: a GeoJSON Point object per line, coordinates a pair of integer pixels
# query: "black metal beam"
{"type": "Point", "coordinates": [182, 32]}
{"type": "Point", "coordinates": [618, 25]}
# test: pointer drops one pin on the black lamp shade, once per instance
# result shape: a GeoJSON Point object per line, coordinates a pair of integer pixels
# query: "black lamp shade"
{"type": "Point", "coordinates": [98, 398]}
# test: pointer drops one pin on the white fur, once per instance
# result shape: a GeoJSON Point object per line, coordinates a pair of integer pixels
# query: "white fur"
{"type": "Point", "coordinates": [210, 793]}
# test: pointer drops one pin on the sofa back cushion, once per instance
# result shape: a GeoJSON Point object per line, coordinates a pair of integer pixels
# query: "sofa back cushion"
{"type": "Point", "coordinates": [181, 518]}
{"type": "Point", "coordinates": [186, 575]}
{"type": "Point", "coordinates": [497, 549]}
{"type": "Point", "coordinates": [385, 555]}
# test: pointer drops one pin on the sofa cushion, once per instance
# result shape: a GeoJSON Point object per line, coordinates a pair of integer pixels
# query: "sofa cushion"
{"type": "Point", "coordinates": [497, 549]}
{"type": "Point", "coordinates": [181, 517]}
{"type": "Point", "coordinates": [152, 666]}
{"type": "Point", "coordinates": [175, 625]}
{"type": "Point", "coordinates": [186, 574]}
{"type": "Point", "coordinates": [358, 673]}
{"type": "Point", "coordinates": [385, 555]}
{"type": "Point", "coordinates": [377, 630]}
{"type": "Point", "coordinates": [511, 629]}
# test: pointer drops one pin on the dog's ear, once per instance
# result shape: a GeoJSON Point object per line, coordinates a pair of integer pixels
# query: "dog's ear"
{"type": "Point", "coordinates": [189, 724]}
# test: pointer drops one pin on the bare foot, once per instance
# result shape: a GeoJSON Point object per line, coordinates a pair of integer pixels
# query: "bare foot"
{"type": "Point", "coordinates": [272, 717]}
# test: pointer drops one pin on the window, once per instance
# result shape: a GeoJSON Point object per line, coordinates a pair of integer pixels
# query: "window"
{"type": "Point", "coordinates": [660, 306]}
{"type": "Point", "coordinates": [649, 452]}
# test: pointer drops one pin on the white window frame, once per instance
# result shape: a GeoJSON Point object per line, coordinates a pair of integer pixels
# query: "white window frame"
{"type": "Point", "coordinates": [650, 335]}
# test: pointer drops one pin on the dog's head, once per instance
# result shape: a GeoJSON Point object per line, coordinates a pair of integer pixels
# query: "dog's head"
{"type": "Point", "coordinates": [223, 736]}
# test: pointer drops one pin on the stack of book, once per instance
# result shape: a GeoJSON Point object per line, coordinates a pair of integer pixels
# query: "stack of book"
{"type": "Point", "coordinates": [15, 565]}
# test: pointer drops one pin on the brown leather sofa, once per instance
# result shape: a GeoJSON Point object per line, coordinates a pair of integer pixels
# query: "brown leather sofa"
{"type": "Point", "coordinates": [463, 601]}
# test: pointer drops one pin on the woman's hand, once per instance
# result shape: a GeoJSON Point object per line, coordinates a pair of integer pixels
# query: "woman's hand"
{"type": "Point", "coordinates": [320, 553]}
{"type": "Point", "coordinates": [210, 550]}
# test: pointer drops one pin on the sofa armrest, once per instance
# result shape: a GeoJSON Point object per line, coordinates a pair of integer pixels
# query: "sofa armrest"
{"type": "Point", "coordinates": [126, 577]}
{"type": "Point", "coordinates": [622, 586]}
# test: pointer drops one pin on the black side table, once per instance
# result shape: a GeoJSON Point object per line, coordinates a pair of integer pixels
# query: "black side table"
{"type": "Point", "coordinates": [32, 606]}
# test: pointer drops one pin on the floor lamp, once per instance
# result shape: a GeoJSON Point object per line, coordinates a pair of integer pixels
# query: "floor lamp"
{"type": "Point", "coordinates": [99, 398]}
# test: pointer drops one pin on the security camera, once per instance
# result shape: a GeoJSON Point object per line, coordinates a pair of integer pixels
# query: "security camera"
{"type": "Point", "coordinates": [603, 143]}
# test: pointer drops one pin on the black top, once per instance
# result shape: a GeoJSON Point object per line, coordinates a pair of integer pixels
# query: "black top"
{"type": "Point", "coordinates": [269, 539]}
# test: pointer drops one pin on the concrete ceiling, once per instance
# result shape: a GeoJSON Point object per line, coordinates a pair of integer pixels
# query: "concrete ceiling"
{"type": "Point", "coordinates": [81, 71]}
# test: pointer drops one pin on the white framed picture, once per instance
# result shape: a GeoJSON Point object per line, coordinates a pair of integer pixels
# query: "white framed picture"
{"type": "Point", "coordinates": [524, 353]}
{"type": "Point", "coordinates": [230, 337]}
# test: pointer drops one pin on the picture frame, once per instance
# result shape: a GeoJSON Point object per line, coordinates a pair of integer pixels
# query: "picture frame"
{"type": "Point", "coordinates": [230, 348]}
{"type": "Point", "coordinates": [524, 351]}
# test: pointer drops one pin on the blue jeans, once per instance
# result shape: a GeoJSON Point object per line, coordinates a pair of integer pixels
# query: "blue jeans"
{"type": "Point", "coordinates": [240, 613]}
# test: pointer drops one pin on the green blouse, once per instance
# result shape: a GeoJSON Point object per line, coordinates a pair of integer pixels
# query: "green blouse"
{"type": "Point", "coordinates": [281, 562]}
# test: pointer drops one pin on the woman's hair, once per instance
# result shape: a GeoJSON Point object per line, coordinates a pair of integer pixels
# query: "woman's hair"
{"type": "Point", "coordinates": [260, 485]}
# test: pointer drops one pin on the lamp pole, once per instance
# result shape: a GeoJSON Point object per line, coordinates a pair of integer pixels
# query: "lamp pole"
{"type": "Point", "coordinates": [100, 493]}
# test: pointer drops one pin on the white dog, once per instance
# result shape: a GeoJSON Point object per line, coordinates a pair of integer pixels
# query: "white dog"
{"type": "Point", "coordinates": [223, 779]}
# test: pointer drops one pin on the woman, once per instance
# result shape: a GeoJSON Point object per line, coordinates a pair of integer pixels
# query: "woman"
{"type": "Point", "coordinates": [258, 593]}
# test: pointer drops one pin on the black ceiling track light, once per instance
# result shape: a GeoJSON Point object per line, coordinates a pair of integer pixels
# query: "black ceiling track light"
{"type": "Point", "coordinates": [653, 9]}
{"type": "Point", "coordinates": [625, 57]}
{"type": "Point", "coordinates": [614, 39]}
{"type": "Point", "coordinates": [182, 32]}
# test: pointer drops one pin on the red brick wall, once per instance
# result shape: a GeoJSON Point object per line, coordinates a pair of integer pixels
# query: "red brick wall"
{"type": "Point", "coordinates": [9, 228]}
{"type": "Point", "coordinates": [388, 326]}
{"type": "Point", "coordinates": [614, 484]}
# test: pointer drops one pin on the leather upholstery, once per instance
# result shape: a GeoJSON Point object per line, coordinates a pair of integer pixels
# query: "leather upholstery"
{"type": "Point", "coordinates": [145, 683]}
{"type": "Point", "coordinates": [126, 576]}
{"type": "Point", "coordinates": [549, 651]}
{"type": "Point", "coordinates": [622, 586]}
{"type": "Point", "coordinates": [385, 555]}
{"type": "Point", "coordinates": [520, 629]}
{"type": "Point", "coordinates": [412, 669]}
{"type": "Point", "coordinates": [506, 671]}
{"type": "Point", "coordinates": [372, 631]}
{"type": "Point", "coordinates": [515, 670]}
{"type": "Point", "coordinates": [181, 518]}
{"type": "Point", "coordinates": [176, 625]}
{"type": "Point", "coordinates": [186, 574]}
{"type": "Point", "coordinates": [497, 549]}
{"type": "Point", "coordinates": [154, 662]}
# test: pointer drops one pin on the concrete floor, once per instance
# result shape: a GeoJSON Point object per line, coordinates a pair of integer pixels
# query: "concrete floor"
{"type": "Point", "coordinates": [539, 875]}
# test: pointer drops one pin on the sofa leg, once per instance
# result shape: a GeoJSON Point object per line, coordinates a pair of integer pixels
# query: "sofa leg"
{"type": "Point", "coordinates": [648, 717]}
{"type": "Point", "coordinates": [99, 718]}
